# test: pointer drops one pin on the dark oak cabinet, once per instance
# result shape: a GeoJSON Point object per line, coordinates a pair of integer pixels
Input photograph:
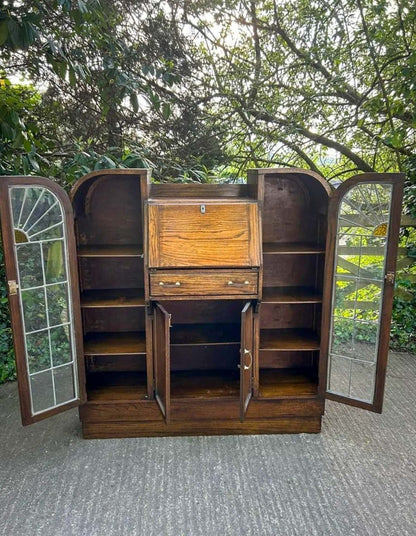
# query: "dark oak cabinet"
{"type": "Point", "coordinates": [173, 309]}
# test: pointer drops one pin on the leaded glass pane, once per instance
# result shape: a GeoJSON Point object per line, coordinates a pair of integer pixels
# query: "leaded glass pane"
{"type": "Point", "coordinates": [42, 390]}
{"type": "Point", "coordinates": [54, 261]}
{"type": "Point", "coordinates": [58, 307]}
{"type": "Point", "coordinates": [64, 384]}
{"type": "Point", "coordinates": [34, 309]}
{"type": "Point", "coordinates": [37, 351]}
{"type": "Point", "coordinates": [61, 345]}
{"type": "Point", "coordinates": [44, 291]}
{"type": "Point", "coordinates": [360, 255]}
{"type": "Point", "coordinates": [30, 265]}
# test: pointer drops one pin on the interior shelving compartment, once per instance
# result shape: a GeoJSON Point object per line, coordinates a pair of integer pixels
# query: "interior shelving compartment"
{"type": "Point", "coordinates": [108, 212]}
{"type": "Point", "coordinates": [294, 213]}
{"type": "Point", "coordinates": [289, 348]}
{"type": "Point", "coordinates": [109, 229]}
{"type": "Point", "coordinates": [120, 386]}
{"type": "Point", "coordinates": [114, 336]}
{"type": "Point", "coordinates": [294, 270]}
{"type": "Point", "coordinates": [294, 234]}
{"type": "Point", "coordinates": [205, 348]}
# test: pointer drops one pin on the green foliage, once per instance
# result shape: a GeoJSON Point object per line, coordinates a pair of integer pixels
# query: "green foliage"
{"type": "Point", "coordinates": [409, 197]}
{"type": "Point", "coordinates": [20, 142]}
{"type": "Point", "coordinates": [7, 363]}
{"type": "Point", "coordinates": [403, 328]}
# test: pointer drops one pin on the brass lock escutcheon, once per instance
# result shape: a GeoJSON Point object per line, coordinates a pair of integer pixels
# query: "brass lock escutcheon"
{"type": "Point", "coordinates": [389, 278]}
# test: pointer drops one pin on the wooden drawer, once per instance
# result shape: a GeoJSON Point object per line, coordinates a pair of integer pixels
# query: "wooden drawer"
{"type": "Point", "coordinates": [203, 234]}
{"type": "Point", "coordinates": [203, 283]}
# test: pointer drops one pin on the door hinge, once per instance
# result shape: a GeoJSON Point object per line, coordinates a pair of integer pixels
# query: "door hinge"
{"type": "Point", "coordinates": [13, 286]}
{"type": "Point", "coordinates": [170, 320]}
{"type": "Point", "coordinates": [389, 278]}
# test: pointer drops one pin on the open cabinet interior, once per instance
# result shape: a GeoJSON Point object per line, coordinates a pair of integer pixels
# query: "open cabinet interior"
{"type": "Point", "coordinates": [173, 309]}
{"type": "Point", "coordinates": [204, 348]}
{"type": "Point", "coordinates": [109, 230]}
{"type": "Point", "coordinates": [294, 226]}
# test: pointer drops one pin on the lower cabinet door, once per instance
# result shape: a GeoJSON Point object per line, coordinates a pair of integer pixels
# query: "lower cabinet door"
{"type": "Point", "coordinates": [161, 349]}
{"type": "Point", "coordinates": [246, 358]}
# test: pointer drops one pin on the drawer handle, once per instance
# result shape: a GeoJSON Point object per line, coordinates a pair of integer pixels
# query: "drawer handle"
{"type": "Point", "coordinates": [237, 284]}
{"type": "Point", "coordinates": [176, 284]}
{"type": "Point", "coordinates": [246, 367]}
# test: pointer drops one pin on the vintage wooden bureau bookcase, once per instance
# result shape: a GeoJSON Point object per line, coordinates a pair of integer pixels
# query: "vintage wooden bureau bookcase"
{"type": "Point", "coordinates": [165, 309]}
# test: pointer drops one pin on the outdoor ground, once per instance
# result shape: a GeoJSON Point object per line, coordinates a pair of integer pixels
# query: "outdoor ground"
{"type": "Point", "coordinates": [358, 477]}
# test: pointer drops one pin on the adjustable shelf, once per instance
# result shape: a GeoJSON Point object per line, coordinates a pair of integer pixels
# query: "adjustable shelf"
{"type": "Point", "coordinates": [292, 248]}
{"type": "Point", "coordinates": [112, 298]}
{"type": "Point", "coordinates": [205, 334]}
{"type": "Point", "coordinates": [288, 339]}
{"type": "Point", "coordinates": [110, 251]}
{"type": "Point", "coordinates": [123, 343]}
{"type": "Point", "coordinates": [291, 295]}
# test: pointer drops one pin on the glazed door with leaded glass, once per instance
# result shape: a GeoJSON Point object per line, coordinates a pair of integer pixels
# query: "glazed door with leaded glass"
{"type": "Point", "coordinates": [365, 220]}
{"type": "Point", "coordinates": [41, 269]}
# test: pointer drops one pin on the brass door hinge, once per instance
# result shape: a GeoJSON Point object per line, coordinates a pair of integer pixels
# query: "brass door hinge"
{"type": "Point", "coordinates": [13, 286]}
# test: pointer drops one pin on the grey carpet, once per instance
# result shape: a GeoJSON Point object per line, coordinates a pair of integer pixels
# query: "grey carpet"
{"type": "Point", "coordinates": [358, 477]}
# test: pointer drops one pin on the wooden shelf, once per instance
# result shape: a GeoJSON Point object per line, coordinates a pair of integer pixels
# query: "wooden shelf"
{"type": "Point", "coordinates": [288, 339]}
{"type": "Point", "coordinates": [205, 334]}
{"type": "Point", "coordinates": [110, 251]}
{"type": "Point", "coordinates": [115, 343]}
{"type": "Point", "coordinates": [291, 295]}
{"type": "Point", "coordinates": [277, 383]}
{"type": "Point", "coordinates": [116, 386]}
{"type": "Point", "coordinates": [112, 298]}
{"type": "Point", "coordinates": [298, 248]}
{"type": "Point", "coordinates": [205, 384]}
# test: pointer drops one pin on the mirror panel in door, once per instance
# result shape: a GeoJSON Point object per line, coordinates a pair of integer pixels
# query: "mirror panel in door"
{"type": "Point", "coordinates": [41, 254]}
{"type": "Point", "coordinates": [360, 260]}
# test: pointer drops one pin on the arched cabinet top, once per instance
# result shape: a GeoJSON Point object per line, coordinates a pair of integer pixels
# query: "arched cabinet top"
{"type": "Point", "coordinates": [307, 174]}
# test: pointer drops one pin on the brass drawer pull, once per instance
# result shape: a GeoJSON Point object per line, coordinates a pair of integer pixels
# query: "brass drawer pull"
{"type": "Point", "coordinates": [246, 367]}
{"type": "Point", "coordinates": [169, 285]}
{"type": "Point", "coordinates": [237, 284]}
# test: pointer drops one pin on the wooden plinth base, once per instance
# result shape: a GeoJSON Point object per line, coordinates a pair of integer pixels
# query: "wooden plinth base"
{"type": "Point", "coordinates": [215, 416]}
{"type": "Point", "coordinates": [289, 425]}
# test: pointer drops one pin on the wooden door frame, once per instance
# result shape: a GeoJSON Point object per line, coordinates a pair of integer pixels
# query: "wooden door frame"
{"type": "Point", "coordinates": [14, 302]}
{"type": "Point", "coordinates": [245, 400]}
{"type": "Point", "coordinates": [158, 310]}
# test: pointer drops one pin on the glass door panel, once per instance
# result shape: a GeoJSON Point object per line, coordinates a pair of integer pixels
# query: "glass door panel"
{"type": "Point", "coordinates": [365, 249]}
{"type": "Point", "coordinates": [40, 276]}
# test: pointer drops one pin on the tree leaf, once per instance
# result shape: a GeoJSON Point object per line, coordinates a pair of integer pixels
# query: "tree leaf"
{"type": "Point", "coordinates": [33, 162]}
{"type": "Point", "coordinates": [166, 110]}
{"type": "Point", "coordinates": [4, 31]}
